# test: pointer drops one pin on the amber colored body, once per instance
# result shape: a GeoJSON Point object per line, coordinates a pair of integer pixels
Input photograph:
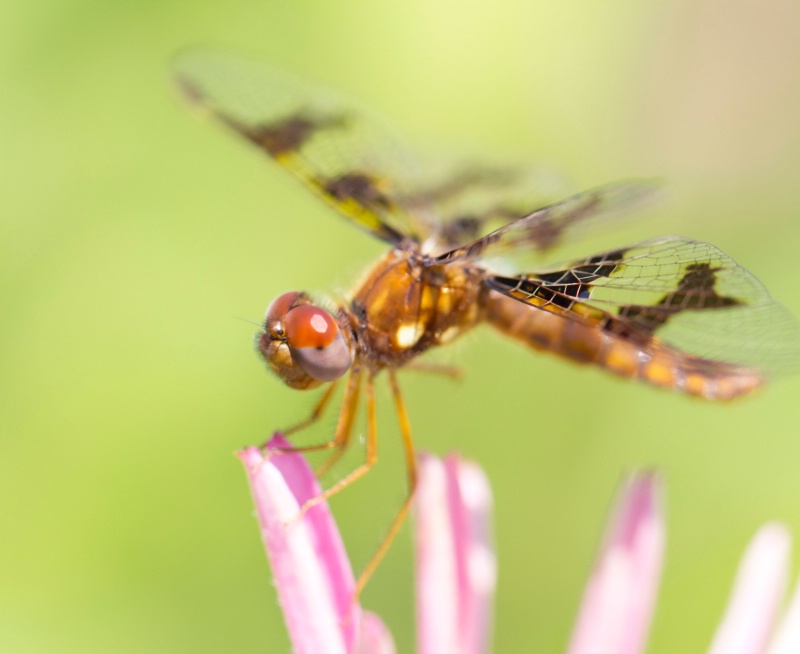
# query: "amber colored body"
{"type": "Point", "coordinates": [651, 360]}
{"type": "Point", "coordinates": [405, 306]}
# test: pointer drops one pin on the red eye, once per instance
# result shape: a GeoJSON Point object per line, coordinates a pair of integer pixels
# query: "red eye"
{"type": "Point", "coordinates": [281, 305]}
{"type": "Point", "coordinates": [309, 326]}
{"type": "Point", "coordinates": [316, 343]}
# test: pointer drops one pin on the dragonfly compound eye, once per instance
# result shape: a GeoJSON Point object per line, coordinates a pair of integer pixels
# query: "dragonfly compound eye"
{"type": "Point", "coordinates": [282, 304]}
{"type": "Point", "coordinates": [316, 342]}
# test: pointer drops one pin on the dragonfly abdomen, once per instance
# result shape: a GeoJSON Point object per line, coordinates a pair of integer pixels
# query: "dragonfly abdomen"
{"type": "Point", "coordinates": [651, 361]}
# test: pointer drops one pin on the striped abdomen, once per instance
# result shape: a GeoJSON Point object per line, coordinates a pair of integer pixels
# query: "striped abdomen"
{"type": "Point", "coordinates": [651, 361]}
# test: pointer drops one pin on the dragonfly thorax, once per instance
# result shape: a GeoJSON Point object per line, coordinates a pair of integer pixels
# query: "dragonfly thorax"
{"type": "Point", "coordinates": [406, 306]}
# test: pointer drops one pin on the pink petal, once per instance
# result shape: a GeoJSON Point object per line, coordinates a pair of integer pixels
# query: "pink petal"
{"type": "Point", "coordinates": [757, 594]}
{"type": "Point", "coordinates": [375, 637]}
{"type": "Point", "coordinates": [456, 564]}
{"type": "Point", "coordinates": [787, 636]}
{"type": "Point", "coordinates": [312, 573]}
{"type": "Point", "coordinates": [620, 596]}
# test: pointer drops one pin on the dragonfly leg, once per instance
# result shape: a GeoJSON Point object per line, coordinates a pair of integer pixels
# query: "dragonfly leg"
{"type": "Point", "coordinates": [331, 461]}
{"type": "Point", "coordinates": [361, 470]}
{"type": "Point", "coordinates": [316, 413]}
{"type": "Point", "coordinates": [411, 467]}
{"type": "Point", "coordinates": [453, 372]}
{"type": "Point", "coordinates": [344, 426]}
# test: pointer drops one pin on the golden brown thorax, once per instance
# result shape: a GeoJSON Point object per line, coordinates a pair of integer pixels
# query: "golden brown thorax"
{"type": "Point", "coordinates": [404, 307]}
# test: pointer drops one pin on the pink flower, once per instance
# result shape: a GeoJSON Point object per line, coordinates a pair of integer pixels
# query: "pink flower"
{"type": "Point", "coordinates": [620, 596]}
{"type": "Point", "coordinates": [754, 608]}
{"type": "Point", "coordinates": [312, 573]}
{"type": "Point", "coordinates": [456, 564]}
{"type": "Point", "coordinates": [456, 569]}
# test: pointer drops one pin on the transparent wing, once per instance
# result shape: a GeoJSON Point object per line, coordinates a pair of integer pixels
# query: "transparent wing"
{"type": "Point", "coordinates": [545, 228]}
{"type": "Point", "coordinates": [333, 146]}
{"type": "Point", "coordinates": [342, 152]}
{"type": "Point", "coordinates": [469, 200]}
{"type": "Point", "coordinates": [687, 294]}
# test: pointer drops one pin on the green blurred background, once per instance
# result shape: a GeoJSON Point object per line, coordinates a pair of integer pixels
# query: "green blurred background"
{"type": "Point", "coordinates": [134, 238]}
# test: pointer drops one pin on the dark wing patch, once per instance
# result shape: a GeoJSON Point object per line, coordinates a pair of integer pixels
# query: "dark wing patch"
{"type": "Point", "coordinates": [695, 292]}
{"type": "Point", "coordinates": [334, 147]}
{"type": "Point", "coordinates": [549, 226]}
{"type": "Point", "coordinates": [342, 152]}
{"type": "Point", "coordinates": [560, 288]}
{"type": "Point", "coordinates": [687, 294]}
{"type": "Point", "coordinates": [284, 137]}
{"type": "Point", "coordinates": [467, 201]}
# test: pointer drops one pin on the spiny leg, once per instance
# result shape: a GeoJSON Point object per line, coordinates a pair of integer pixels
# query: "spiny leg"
{"type": "Point", "coordinates": [337, 454]}
{"type": "Point", "coordinates": [316, 413]}
{"type": "Point", "coordinates": [332, 460]}
{"type": "Point", "coordinates": [361, 470]}
{"type": "Point", "coordinates": [411, 467]}
{"type": "Point", "coordinates": [344, 426]}
{"type": "Point", "coordinates": [454, 372]}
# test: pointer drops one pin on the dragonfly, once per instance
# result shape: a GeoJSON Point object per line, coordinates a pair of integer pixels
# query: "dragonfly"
{"type": "Point", "coordinates": [673, 312]}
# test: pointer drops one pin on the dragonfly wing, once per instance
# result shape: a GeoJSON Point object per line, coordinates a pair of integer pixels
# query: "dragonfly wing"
{"type": "Point", "coordinates": [672, 295]}
{"type": "Point", "coordinates": [332, 145]}
{"type": "Point", "coordinates": [543, 229]}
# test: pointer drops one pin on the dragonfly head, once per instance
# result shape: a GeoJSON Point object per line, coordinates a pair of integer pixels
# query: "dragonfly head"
{"type": "Point", "coordinates": [302, 343]}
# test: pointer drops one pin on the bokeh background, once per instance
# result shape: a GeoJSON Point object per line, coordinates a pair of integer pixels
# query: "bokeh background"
{"type": "Point", "coordinates": [134, 239]}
